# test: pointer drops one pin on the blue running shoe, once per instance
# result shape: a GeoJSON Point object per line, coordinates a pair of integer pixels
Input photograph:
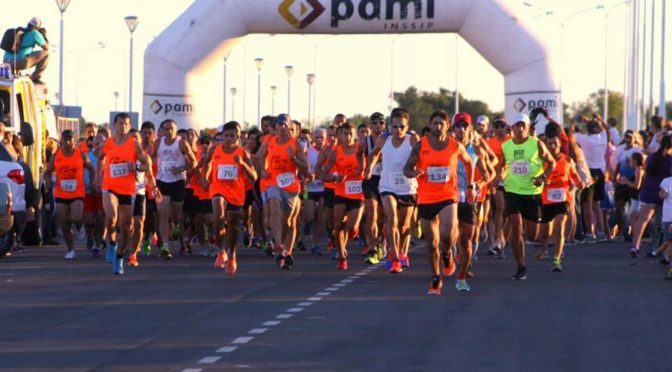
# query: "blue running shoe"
{"type": "Point", "coordinates": [118, 267]}
{"type": "Point", "coordinates": [316, 250]}
{"type": "Point", "coordinates": [111, 253]}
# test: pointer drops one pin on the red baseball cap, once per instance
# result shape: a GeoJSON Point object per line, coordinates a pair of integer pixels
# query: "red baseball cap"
{"type": "Point", "coordinates": [462, 117]}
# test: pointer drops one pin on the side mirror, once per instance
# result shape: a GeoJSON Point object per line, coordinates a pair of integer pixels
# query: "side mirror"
{"type": "Point", "coordinates": [27, 134]}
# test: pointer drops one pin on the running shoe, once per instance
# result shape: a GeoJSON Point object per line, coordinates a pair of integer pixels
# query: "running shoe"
{"type": "Point", "coordinates": [521, 274]}
{"type": "Point", "coordinates": [634, 252]}
{"type": "Point", "coordinates": [493, 251]}
{"type": "Point", "coordinates": [342, 264]}
{"type": "Point", "coordinates": [89, 244]}
{"type": "Point", "coordinates": [146, 248]}
{"type": "Point", "coordinates": [300, 246]}
{"type": "Point", "coordinates": [542, 255]}
{"type": "Point", "coordinates": [95, 253]}
{"type": "Point", "coordinates": [500, 254]}
{"type": "Point", "coordinates": [70, 255]}
{"type": "Point", "coordinates": [462, 286]}
{"type": "Point", "coordinates": [334, 254]}
{"type": "Point", "coordinates": [652, 254]}
{"type": "Point", "coordinates": [316, 250]}
{"type": "Point", "coordinates": [232, 265]}
{"type": "Point", "coordinates": [590, 239]}
{"type": "Point", "coordinates": [396, 267]}
{"type": "Point", "coordinates": [257, 242]}
{"type": "Point", "coordinates": [133, 260]}
{"type": "Point", "coordinates": [664, 261]}
{"type": "Point", "coordinates": [268, 248]}
{"type": "Point", "coordinates": [165, 252]}
{"type": "Point", "coordinates": [364, 251]}
{"type": "Point", "coordinates": [405, 261]}
{"type": "Point", "coordinates": [353, 234]}
{"type": "Point", "coordinates": [111, 254]}
{"type": "Point", "coordinates": [388, 261]}
{"type": "Point", "coordinates": [601, 238]}
{"type": "Point", "coordinates": [330, 245]}
{"type": "Point", "coordinates": [220, 260]}
{"type": "Point", "coordinates": [246, 239]}
{"type": "Point", "coordinates": [557, 266]}
{"type": "Point", "coordinates": [287, 262]}
{"type": "Point", "coordinates": [118, 267]}
{"type": "Point", "coordinates": [435, 286]}
{"type": "Point", "coordinates": [175, 234]}
{"type": "Point", "coordinates": [448, 264]}
{"type": "Point", "coordinates": [372, 258]}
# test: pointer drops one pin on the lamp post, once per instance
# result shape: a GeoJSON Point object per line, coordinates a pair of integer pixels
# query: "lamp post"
{"type": "Point", "coordinates": [62, 7]}
{"type": "Point", "coordinates": [662, 108]}
{"type": "Point", "coordinates": [224, 92]}
{"type": "Point", "coordinates": [116, 101]}
{"type": "Point", "coordinates": [259, 62]}
{"type": "Point", "coordinates": [234, 90]}
{"type": "Point", "coordinates": [310, 78]}
{"type": "Point", "coordinates": [132, 23]}
{"type": "Point", "coordinates": [289, 70]}
{"type": "Point", "coordinates": [273, 89]}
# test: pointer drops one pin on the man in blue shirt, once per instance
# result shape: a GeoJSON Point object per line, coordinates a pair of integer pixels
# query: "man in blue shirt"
{"type": "Point", "coordinates": [26, 57]}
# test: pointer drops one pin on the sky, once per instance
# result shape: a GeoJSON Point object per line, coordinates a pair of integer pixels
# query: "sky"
{"type": "Point", "coordinates": [355, 73]}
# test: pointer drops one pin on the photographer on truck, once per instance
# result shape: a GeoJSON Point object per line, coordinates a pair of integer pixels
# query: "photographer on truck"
{"type": "Point", "coordinates": [20, 51]}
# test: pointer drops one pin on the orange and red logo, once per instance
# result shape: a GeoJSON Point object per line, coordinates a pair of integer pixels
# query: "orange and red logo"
{"type": "Point", "coordinates": [300, 13]}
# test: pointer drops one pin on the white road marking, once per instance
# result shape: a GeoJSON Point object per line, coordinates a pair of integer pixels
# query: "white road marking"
{"type": "Point", "coordinates": [271, 323]}
{"type": "Point", "coordinates": [257, 331]}
{"type": "Point", "coordinates": [209, 360]}
{"type": "Point", "coordinates": [242, 340]}
{"type": "Point", "coordinates": [323, 293]}
{"type": "Point", "coordinates": [304, 304]}
{"type": "Point", "coordinates": [192, 370]}
{"type": "Point", "coordinates": [284, 316]}
{"type": "Point", "coordinates": [314, 298]}
{"type": "Point", "coordinates": [295, 310]}
{"type": "Point", "coordinates": [331, 289]}
{"type": "Point", "coordinates": [227, 349]}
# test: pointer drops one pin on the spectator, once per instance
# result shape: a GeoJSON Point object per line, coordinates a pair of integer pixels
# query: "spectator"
{"type": "Point", "coordinates": [26, 57]}
{"type": "Point", "coordinates": [656, 133]}
{"type": "Point", "coordinates": [624, 176]}
{"type": "Point", "coordinates": [614, 133]}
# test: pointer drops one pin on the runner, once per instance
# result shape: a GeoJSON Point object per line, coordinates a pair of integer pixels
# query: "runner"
{"type": "Point", "coordinates": [331, 143]}
{"type": "Point", "coordinates": [501, 130]}
{"type": "Point", "coordinates": [94, 215]}
{"type": "Point", "coordinates": [345, 167]}
{"type": "Point", "coordinates": [268, 128]}
{"type": "Point", "coordinates": [433, 161]}
{"type": "Point", "coordinates": [174, 157]}
{"type": "Point", "coordinates": [226, 167]}
{"type": "Point", "coordinates": [528, 164]}
{"type": "Point", "coordinates": [143, 181]}
{"type": "Point", "coordinates": [151, 209]}
{"type": "Point", "coordinates": [372, 207]}
{"type": "Point", "coordinates": [116, 169]}
{"type": "Point", "coordinates": [68, 162]}
{"type": "Point", "coordinates": [397, 191]}
{"type": "Point", "coordinates": [284, 158]}
{"type": "Point", "coordinates": [313, 209]}
{"type": "Point", "coordinates": [252, 214]}
{"type": "Point", "coordinates": [555, 197]}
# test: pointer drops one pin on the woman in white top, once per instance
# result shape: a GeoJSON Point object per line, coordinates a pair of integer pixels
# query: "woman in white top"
{"type": "Point", "coordinates": [313, 205]}
{"type": "Point", "coordinates": [396, 190]}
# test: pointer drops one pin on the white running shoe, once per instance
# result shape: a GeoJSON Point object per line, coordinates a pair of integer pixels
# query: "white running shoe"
{"type": "Point", "coordinates": [70, 255]}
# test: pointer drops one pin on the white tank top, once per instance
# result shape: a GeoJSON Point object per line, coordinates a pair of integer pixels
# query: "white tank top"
{"type": "Point", "coordinates": [170, 156]}
{"type": "Point", "coordinates": [139, 181]}
{"type": "Point", "coordinates": [392, 177]}
{"type": "Point", "coordinates": [378, 167]}
{"type": "Point", "coordinates": [317, 185]}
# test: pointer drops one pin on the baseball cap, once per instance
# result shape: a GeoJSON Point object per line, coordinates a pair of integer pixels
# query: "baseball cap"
{"type": "Point", "coordinates": [462, 117]}
{"type": "Point", "coordinates": [520, 117]}
{"type": "Point", "coordinates": [67, 134]}
{"type": "Point", "coordinates": [482, 119]}
{"type": "Point", "coordinates": [36, 22]}
{"type": "Point", "coordinates": [377, 116]}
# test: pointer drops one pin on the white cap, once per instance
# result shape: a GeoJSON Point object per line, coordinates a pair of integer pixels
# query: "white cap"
{"type": "Point", "coordinates": [520, 117]}
{"type": "Point", "coordinates": [482, 119]}
{"type": "Point", "coordinates": [36, 22]}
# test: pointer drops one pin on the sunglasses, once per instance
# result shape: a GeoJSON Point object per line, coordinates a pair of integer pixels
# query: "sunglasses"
{"type": "Point", "coordinates": [398, 126]}
{"type": "Point", "coordinates": [500, 125]}
{"type": "Point", "coordinates": [378, 122]}
{"type": "Point", "coordinates": [461, 126]}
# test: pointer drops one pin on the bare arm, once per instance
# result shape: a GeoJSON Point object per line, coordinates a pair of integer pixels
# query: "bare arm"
{"type": "Point", "coordinates": [189, 157]}
{"type": "Point", "coordinates": [410, 169]}
{"type": "Point", "coordinates": [375, 155]}
{"type": "Point", "coordinates": [246, 163]}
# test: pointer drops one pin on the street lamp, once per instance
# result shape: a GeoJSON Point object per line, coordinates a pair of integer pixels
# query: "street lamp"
{"type": "Point", "coordinates": [273, 89]}
{"type": "Point", "coordinates": [259, 62]}
{"type": "Point", "coordinates": [224, 100]}
{"type": "Point", "coordinates": [662, 108]}
{"type": "Point", "coordinates": [310, 78]}
{"type": "Point", "coordinates": [116, 101]}
{"type": "Point", "coordinates": [234, 90]}
{"type": "Point", "coordinates": [62, 6]}
{"type": "Point", "coordinates": [289, 70]}
{"type": "Point", "coordinates": [132, 23]}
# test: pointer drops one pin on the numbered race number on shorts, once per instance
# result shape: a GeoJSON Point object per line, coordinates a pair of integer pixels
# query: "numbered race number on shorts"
{"type": "Point", "coordinates": [557, 195]}
{"type": "Point", "coordinates": [69, 185]}
{"type": "Point", "coordinates": [438, 174]}
{"type": "Point", "coordinates": [227, 172]}
{"type": "Point", "coordinates": [520, 168]}
{"type": "Point", "coordinates": [353, 187]}
{"type": "Point", "coordinates": [119, 170]}
{"type": "Point", "coordinates": [398, 179]}
{"type": "Point", "coordinates": [285, 180]}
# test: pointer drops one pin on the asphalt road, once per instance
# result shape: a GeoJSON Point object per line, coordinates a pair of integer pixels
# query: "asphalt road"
{"type": "Point", "coordinates": [606, 311]}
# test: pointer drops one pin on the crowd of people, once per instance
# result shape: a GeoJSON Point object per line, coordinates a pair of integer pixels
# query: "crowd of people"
{"type": "Point", "coordinates": [458, 184]}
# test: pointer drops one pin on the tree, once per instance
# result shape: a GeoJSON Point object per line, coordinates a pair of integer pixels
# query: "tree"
{"type": "Point", "coordinates": [594, 104]}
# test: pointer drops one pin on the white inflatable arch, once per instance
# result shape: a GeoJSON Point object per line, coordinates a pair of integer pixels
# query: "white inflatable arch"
{"type": "Point", "coordinates": [209, 29]}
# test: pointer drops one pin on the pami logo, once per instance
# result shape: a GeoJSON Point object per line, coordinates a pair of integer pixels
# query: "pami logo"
{"type": "Point", "coordinates": [300, 13]}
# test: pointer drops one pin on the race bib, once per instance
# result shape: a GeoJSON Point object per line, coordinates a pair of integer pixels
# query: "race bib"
{"type": "Point", "coordinates": [69, 185]}
{"type": "Point", "coordinates": [167, 166]}
{"type": "Point", "coordinates": [520, 168]}
{"type": "Point", "coordinates": [377, 169]}
{"type": "Point", "coordinates": [285, 180]}
{"type": "Point", "coordinates": [227, 172]}
{"type": "Point", "coordinates": [438, 174]}
{"type": "Point", "coordinates": [557, 195]}
{"type": "Point", "coordinates": [353, 187]}
{"type": "Point", "coordinates": [398, 179]}
{"type": "Point", "coordinates": [119, 170]}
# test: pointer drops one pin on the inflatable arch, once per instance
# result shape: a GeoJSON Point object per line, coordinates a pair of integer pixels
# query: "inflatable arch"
{"type": "Point", "coordinates": [209, 29]}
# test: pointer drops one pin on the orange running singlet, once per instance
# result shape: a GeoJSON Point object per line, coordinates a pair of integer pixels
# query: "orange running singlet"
{"type": "Point", "coordinates": [496, 146]}
{"type": "Point", "coordinates": [346, 165]}
{"type": "Point", "coordinates": [117, 177]}
{"type": "Point", "coordinates": [281, 169]}
{"type": "Point", "coordinates": [438, 181]}
{"type": "Point", "coordinates": [69, 175]}
{"type": "Point", "coordinates": [557, 189]}
{"type": "Point", "coordinates": [227, 178]}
